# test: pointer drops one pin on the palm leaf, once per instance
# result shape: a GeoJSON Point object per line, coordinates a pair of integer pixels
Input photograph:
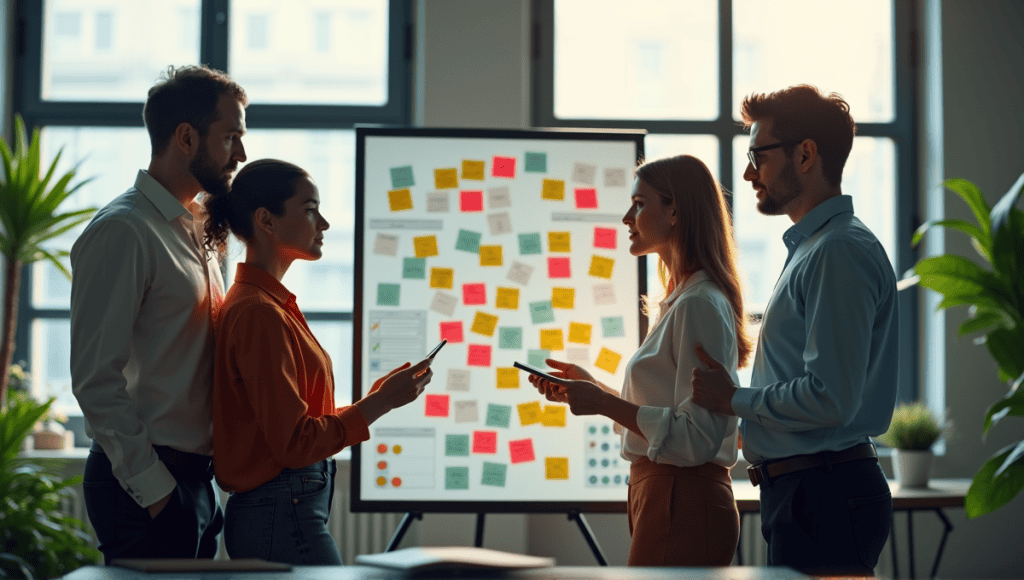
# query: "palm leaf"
{"type": "Point", "coordinates": [974, 199]}
{"type": "Point", "coordinates": [998, 481]}
{"type": "Point", "coordinates": [1011, 404]}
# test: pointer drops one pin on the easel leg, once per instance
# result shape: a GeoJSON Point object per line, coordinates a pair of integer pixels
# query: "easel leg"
{"type": "Point", "coordinates": [403, 527]}
{"type": "Point", "coordinates": [479, 542]}
{"type": "Point", "coordinates": [588, 535]}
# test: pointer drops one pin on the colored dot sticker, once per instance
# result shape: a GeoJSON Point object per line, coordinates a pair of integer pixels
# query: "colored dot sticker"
{"type": "Point", "coordinates": [397, 482]}
{"type": "Point", "coordinates": [382, 448]}
{"type": "Point", "coordinates": [382, 481]}
{"type": "Point", "coordinates": [382, 465]}
{"type": "Point", "coordinates": [397, 449]}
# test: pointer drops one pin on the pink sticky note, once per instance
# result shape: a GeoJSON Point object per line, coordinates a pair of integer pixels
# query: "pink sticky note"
{"type": "Point", "coordinates": [452, 331]}
{"type": "Point", "coordinates": [604, 238]}
{"type": "Point", "coordinates": [586, 198]}
{"type": "Point", "coordinates": [436, 405]}
{"type": "Point", "coordinates": [521, 450]}
{"type": "Point", "coordinates": [471, 201]}
{"type": "Point", "coordinates": [479, 355]}
{"type": "Point", "coordinates": [485, 441]}
{"type": "Point", "coordinates": [558, 268]}
{"type": "Point", "coordinates": [474, 294]}
{"type": "Point", "coordinates": [503, 167]}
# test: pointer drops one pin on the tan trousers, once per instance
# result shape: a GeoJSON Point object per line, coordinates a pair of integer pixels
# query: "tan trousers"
{"type": "Point", "coordinates": [681, 516]}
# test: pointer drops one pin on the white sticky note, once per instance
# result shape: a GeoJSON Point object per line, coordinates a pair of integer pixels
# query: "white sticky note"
{"type": "Point", "coordinates": [614, 177]}
{"type": "Point", "coordinates": [583, 173]}
{"type": "Point", "coordinates": [438, 202]}
{"type": "Point", "coordinates": [499, 197]}
{"type": "Point", "coordinates": [604, 294]}
{"type": "Point", "coordinates": [520, 273]}
{"type": "Point", "coordinates": [577, 355]}
{"type": "Point", "coordinates": [444, 303]}
{"type": "Point", "coordinates": [458, 379]}
{"type": "Point", "coordinates": [386, 245]}
{"type": "Point", "coordinates": [466, 412]}
{"type": "Point", "coordinates": [499, 223]}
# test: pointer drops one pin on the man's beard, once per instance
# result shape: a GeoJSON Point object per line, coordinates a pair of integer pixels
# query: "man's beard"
{"type": "Point", "coordinates": [212, 179]}
{"type": "Point", "coordinates": [774, 202]}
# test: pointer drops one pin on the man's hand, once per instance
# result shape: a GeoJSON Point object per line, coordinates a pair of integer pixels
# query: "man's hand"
{"type": "Point", "coordinates": [713, 388]}
{"type": "Point", "coordinates": [155, 509]}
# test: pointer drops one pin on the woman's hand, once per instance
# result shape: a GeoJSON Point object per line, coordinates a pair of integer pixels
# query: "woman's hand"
{"type": "Point", "coordinates": [396, 389]}
{"type": "Point", "coordinates": [586, 397]}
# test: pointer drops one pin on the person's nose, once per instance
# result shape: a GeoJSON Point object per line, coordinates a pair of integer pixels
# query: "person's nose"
{"type": "Point", "coordinates": [240, 151]}
{"type": "Point", "coordinates": [749, 174]}
{"type": "Point", "coordinates": [628, 218]}
{"type": "Point", "coordinates": [324, 224]}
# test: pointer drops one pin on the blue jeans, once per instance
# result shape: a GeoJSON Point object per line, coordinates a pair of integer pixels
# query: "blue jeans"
{"type": "Point", "coordinates": [285, 519]}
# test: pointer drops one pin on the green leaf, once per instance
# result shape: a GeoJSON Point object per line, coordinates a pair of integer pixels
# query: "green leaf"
{"type": "Point", "coordinates": [1000, 480]}
{"type": "Point", "coordinates": [975, 232]}
{"type": "Point", "coordinates": [1011, 404]}
{"type": "Point", "coordinates": [957, 276]}
{"type": "Point", "coordinates": [1004, 345]}
{"type": "Point", "coordinates": [974, 198]}
{"type": "Point", "coordinates": [1001, 211]}
{"type": "Point", "coordinates": [980, 322]}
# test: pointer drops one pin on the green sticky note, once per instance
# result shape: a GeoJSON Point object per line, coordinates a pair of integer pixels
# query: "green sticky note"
{"type": "Point", "coordinates": [456, 478]}
{"type": "Point", "coordinates": [536, 162]}
{"type": "Point", "coordinates": [414, 268]}
{"type": "Point", "coordinates": [498, 415]}
{"type": "Point", "coordinates": [510, 337]}
{"type": "Point", "coordinates": [456, 445]}
{"type": "Point", "coordinates": [541, 312]}
{"type": "Point", "coordinates": [387, 294]}
{"type": "Point", "coordinates": [537, 358]}
{"type": "Point", "coordinates": [401, 177]}
{"type": "Point", "coordinates": [613, 327]}
{"type": "Point", "coordinates": [529, 244]}
{"type": "Point", "coordinates": [468, 241]}
{"type": "Point", "coordinates": [494, 474]}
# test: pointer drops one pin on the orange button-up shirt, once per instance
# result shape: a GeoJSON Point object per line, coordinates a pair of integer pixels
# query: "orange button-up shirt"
{"type": "Point", "coordinates": [273, 401]}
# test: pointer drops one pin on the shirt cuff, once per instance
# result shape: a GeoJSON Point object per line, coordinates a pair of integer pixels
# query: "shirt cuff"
{"type": "Point", "coordinates": [357, 429]}
{"type": "Point", "coordinates": [150, 486]}
{"type": "Point", "coordinates": [743, 403]}
{"type": "Point", "coordinates": [654, 423]}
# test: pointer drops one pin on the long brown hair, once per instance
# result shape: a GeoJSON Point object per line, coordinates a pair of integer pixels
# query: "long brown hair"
{"type": "Point", "coordinates": [704, 230]}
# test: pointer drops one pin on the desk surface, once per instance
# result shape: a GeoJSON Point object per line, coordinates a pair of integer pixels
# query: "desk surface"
{"type": "Point", "coordinates": [940, 493]}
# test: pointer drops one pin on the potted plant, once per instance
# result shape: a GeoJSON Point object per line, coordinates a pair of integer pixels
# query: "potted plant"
{"type": "Point", "coordinates": [994, 292]}
{"type": "Point", "coordinates": [912, 432]}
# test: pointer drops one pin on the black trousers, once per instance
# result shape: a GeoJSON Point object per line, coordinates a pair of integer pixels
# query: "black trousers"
{"type": "Point", "coordinates": [827, 522]}
{"type": "Point", "coordinates": [187, 527]}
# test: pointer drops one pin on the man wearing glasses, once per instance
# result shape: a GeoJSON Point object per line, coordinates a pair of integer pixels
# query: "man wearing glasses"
{"type": "Point", "coordinates": [824, 376]}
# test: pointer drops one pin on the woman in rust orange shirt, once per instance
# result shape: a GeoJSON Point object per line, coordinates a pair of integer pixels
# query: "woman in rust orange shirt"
{"type": "Point", "coordinates": [275, 423]}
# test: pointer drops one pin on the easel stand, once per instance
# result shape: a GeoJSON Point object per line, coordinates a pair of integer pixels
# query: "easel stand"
{"type": "Point", "coordinates": [574, 515]}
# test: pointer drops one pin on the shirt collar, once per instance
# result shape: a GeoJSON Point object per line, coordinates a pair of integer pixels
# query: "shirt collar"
{"type": "Point", "coordinates": [260, 278]}
{"type": "Point", "coordinates": [694, 279]}
{"type": "Point", "coordinates": [165, 203]}
{"type": "Point", "coordinates": [815, 219]}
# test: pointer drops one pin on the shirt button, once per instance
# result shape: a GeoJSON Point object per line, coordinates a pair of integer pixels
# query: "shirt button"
{"type": "Point", "coordinates": [295, 500]}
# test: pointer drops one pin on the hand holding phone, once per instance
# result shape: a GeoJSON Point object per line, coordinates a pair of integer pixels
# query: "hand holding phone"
{"type": "Point", "coordinates": [537, 372]}
{"type": "Point", "coordinates": [437, 348]}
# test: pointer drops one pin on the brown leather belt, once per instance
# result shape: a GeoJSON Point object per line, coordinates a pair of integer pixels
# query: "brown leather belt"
{"type": "Point", "coordinates": [776, 467]}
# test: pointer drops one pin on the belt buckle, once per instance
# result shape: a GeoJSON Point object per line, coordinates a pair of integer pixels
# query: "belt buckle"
{"type": "Point", "coordinates": [756, 474]}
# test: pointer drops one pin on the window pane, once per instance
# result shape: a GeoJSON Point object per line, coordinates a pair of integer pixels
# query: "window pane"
{"type": "Point", "coordinates": [336, 338]}
{"type": "Point", "coordinates": [310, 51]}
{"type": "Point", "coordinates": [839, 47]}
{"type": "Point", "coordinates": [109, 50]}
{"type": "Point", "coordinates": [648, 59]}
{"type": "Point", "coordinates": [51, 364]}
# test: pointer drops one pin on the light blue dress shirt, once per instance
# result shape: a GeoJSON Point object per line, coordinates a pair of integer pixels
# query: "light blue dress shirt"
{"type": "Point", "coordinates": [825, 373]}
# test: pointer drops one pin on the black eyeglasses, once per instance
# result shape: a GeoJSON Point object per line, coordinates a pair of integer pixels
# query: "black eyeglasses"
{"type": "Point", "coordinates": [753, 151]}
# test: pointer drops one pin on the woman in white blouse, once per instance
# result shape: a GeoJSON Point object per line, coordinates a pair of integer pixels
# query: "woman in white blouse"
{"type": "Point", "coordinates": [681, 507]}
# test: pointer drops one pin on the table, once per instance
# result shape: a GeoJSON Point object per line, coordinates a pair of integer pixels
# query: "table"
{"type": "Point", "coordinates": [940, 494]}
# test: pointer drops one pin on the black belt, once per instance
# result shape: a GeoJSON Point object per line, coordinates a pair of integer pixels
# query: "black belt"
{"type": "Point", "coordinates": [775, 467]}
{"type": "Point", "coordinates": [193, 464]}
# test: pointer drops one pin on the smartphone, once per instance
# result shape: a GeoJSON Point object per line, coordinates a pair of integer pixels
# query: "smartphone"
{"type": "Point", "coordinates": [443, 342]}
{"type": "Point", "coordinates": [536, 371]}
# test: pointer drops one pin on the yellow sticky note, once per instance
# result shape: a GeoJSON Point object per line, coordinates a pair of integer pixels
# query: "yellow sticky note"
{"type": "Point", "coordinates": [608, 360]}
{"type": "Point", "coordinates": [601, 267]}
{"type": "Point", "coordinates": [559, 242]}
{"type": "Point", "coordinates": [553, 416]}
{"type": "Point", "coordinates": [484, 323]}
{"type": "Point", "coordinates": [563, 297]}
{"type": "Point", "coordinates": [446, 178]}
{"type": "Point", "coordinates": [553, 189]}
{"type": "Point", "coordinates": [551, 339]}
{"type": "Point", "coordinates": [507, 298]}
{"type": "Point", "coordinates": [556, 467]}
{"type": "Point", "coordinates": [425, 246]}
{"type": "Point", "coordinates": [442, 277]}
{"type": "Point", "coordinates": [529, 413]}
{"type": "Point", "coordinates": [400, 199]}
{"type": "Point", "coordinates": [490, 255]}
{"type": "Point", "coordinates": [579, 333]}
{"type": "Point", "coordinates": [508, 378]}
{"type": "Point", "coordinates": [472, 169]}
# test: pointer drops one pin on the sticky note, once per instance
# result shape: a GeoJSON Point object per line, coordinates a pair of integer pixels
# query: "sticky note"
{"type": "Point", "coordinates": [436, 405]}
{"type": "Point", "coordinates": [442, 278]}
{"type": "Point", "coordinates": [457, 477]}
{"type": "Point", "coordinates": [510, 337]}
{"type": "Point", "coordinates": [577, 355]}
{"type": "Point", "coordinates": [613, 327]}
{"type": "Point", "coordinates": [586, 198]}
{"type": "Point", "coordinates": [438, 202]}
{"type": "Point", "coordinates": [553, 189]}
{"type": "Point", "coordinates": [479, 355]}
{"type": "Point", "coordinates": [498, 415]}
{"type": "Point", "coordinates": [555, 467]}
{"type": "Point", "coordinates": [443, 303]}
{"type": "Point", "coordinates": [559, 242]}
{"type": "Point", "coordinates": [465, 412]}
{"type": "Point", "coordinates": [484, 324]}
{"type": "Point", "coordinates": [494, 474]}
{"type": "Point", "coordinates": [559, 268]}
{"type": "Point", "coordinates": [498, 197]}
{"type": "Point", "coordinates": [425, 246]}
{"type": "Point", "coordinates": [456, 445]}
{"type": "Point", "coordinates": [468, 241]}
{"type": "Point", "coordinates": [446, 178]}
{"type": "Point", "coordinates": [520, 273]}
{"type": "Point", "coordinates": [385, 245]}
{"type": "Point", "coordinates": [503, 167]}
{"type": "Point", "coordinates": [387, 294]}
{"type": "Point", "coordinates": [474, 294]}
{"type": "Point", "coordinates": [551, 339]}
{"type": "Point", "coordinates": [529, 244]}
{"type": "Point", "coordinates": [400, 199]}
{"type": "Point", "coordinates": [614, 177]}
{"type": "Point", "coordinates": [458, 379]}
{"type": "Point", "coordinates": [579, 332]}
{"type": "Point", "coordinates": [604, 294]}
{"type": "Point", "coordinates": [485, 441]}
{"type": "Point", "coordinates": [553, 416]}
{"type": "Point", "coordinates": [529, 413]}
{"type": "Point", "coordinates": [471, 201]}
{"type": "Point", "coordinates": [402, 177]}
{"type": "Point", "coordinates": [472, 169]}
{"type": "Point", "coordinates": [538, 358]}
{"type": "Point", "coordinates": [507, 378]}
{"type": "Point", "coordinates": [540, 312]}
{"type": "Point", "coordinates": [507, 298]}
{"type": "Point", "coordinates": [563, 297]}
{"type": "Point", "coordinates": [499, 223]}
{"type": "Point", "coordinates": [521, 450]}
{"type": "Point", "coordinates": [491, 256]}
{"type": "Point", "coordinates": [536, 162]}
{"type": "Point", "coordinates": [583, 173]}
{"type": "Point", "coordinates": [601, 267]}
{"type": "Point", "coordinates": [608, 360]}
{"type": "Point", "coordinates": [414, 268]}
{"type": "Point", "coordinates": [452, 331]}
{"type": "Point", "coordinates": [604, 238]}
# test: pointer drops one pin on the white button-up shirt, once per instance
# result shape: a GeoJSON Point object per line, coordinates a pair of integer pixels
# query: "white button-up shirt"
{"type": "Point", "coordinates": [142, 345]}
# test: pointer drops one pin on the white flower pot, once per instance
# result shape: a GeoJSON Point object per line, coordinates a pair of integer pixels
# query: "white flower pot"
{"type": "Point", "coordinates": [911, 468]}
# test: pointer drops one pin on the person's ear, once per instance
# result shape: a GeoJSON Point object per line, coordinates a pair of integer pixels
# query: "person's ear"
{"type": "Point", "coordinates": [186, 139]}
{"type": "Point", "coordinates": [264, 220]}
{"type": "Point", "coordinates": [808, 154]}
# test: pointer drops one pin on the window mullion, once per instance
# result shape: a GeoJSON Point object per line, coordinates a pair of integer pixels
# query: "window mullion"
{"type": "Point", "coordinates": [213, 44]}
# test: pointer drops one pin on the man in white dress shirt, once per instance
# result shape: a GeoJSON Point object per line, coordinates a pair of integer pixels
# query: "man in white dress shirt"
{"type": "Point", "coordinates": [143, 297]}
